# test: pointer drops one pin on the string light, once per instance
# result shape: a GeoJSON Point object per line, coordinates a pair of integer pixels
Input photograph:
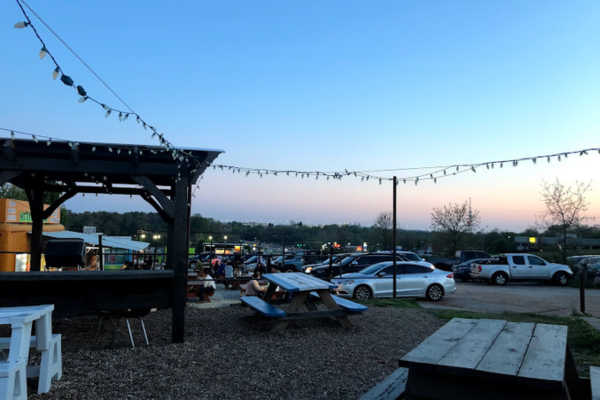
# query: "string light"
{"type": "Point", "coordinates": [58, 71]}
{"type": "Point", "coordinates": [441, 171]}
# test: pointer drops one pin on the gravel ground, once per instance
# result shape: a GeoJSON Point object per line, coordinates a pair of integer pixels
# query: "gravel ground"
{"type": "Point", "coordinates": [230, 354]}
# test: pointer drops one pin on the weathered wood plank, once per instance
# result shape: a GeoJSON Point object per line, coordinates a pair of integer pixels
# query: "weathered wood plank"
{"type": "Point", "coordinates": [391, 388]}
{"type": "Point", "coordinates": [506, 354]}
{"type": "Point", "coordinates": [469, 351]}
{"type": "Point", "coordinates": [595, 381]}
{"type": "Point", "coordinates": [544, 362]}
{"type": "Point", "coordinates": [436, 346]}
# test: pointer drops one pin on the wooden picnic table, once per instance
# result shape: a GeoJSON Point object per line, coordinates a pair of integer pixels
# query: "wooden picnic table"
{"type": "Point", "coordinates": [470, 359]}
{"type": "Point", "coordinates": [301, 286]}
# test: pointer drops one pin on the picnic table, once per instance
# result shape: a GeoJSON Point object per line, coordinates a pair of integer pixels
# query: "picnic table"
{"type": "Point", "coordinates": [13, 366]}
{"type": "Point", "coordinates": [488, 359]}
{"type": "Point", "coordinates": [305, 289]}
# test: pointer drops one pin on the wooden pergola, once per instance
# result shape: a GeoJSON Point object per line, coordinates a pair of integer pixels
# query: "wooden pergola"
{"type": "Point", "coordinates": [162, 177]}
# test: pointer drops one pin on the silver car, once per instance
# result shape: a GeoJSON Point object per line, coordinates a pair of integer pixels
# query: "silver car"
{"type": "Point", "coordinates": [412, 280]}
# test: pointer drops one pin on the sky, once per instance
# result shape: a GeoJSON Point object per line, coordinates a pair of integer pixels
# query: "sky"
{"type": "Point", "coordinates": [325, 86]}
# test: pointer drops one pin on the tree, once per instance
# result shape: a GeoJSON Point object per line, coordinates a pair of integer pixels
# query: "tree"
{"type": "Point", "coordinates": [565, 207]}
{"type": "Point", "coordinates": [452, 224]}
{"type": "Point", "coordinates": [10, 191]}
{"type": "Point", "coordinates": [383, 225]}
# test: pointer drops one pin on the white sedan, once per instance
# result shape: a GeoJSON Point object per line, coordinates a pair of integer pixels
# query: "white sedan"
{"type": "Point", "coordinates": [412, 280]}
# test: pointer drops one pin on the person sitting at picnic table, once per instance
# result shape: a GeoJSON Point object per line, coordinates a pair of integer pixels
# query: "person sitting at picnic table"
{"type": "Point", "coordinates": [127, 265]}
{"type": "Point", "coordinates": [221, 270]}
{"type": "Point", "coordinates": [260, 267]}
{"type": "Point", "coordinates": [253, 288]}
{"type": "Point", "coordinates": [208, 287]}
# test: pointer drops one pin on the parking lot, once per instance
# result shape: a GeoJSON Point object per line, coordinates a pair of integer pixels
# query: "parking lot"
{"type": "Point", "coordinates": [522, 297]}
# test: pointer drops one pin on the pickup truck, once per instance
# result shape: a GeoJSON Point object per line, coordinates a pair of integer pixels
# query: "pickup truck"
{"type": "Point", "coordinates": [461, 256]}
{"type": "Point", "coordinates": [521, 267]}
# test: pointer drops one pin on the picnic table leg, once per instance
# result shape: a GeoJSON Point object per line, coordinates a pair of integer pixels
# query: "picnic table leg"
{"type": "Point", "coordinates": [310, 304]}
{"type": "Point", "coordinates": [19, 342]}
{"type": "Point", "coordinates": [298, 300]}
{"type": "Point", "coordinates": [332, 305]}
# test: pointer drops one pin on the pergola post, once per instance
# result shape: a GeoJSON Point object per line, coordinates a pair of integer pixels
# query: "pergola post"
{"type": "Point", "coordinates": [36, 208]}
{"type": "Point", "coordinates": [178, 256]}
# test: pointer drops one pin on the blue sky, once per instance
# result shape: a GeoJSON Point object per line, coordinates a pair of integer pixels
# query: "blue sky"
{"type": "Point", "coordinates": [325, 86]}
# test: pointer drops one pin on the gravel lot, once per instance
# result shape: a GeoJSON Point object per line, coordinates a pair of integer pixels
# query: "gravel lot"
{"type": "Point", "coordinates": [230, 354]}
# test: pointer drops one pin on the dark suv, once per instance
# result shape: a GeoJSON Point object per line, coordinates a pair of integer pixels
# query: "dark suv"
{"type": "Point", "coordinates": [354, 263]}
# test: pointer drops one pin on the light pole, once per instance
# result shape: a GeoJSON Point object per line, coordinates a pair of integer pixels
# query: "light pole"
{"type": "Point", "coordinates": [211, 248]}
{"type": "Point", "coordinates": [225, 249]}
{"type": "Point", "coordinates": [156, 239]}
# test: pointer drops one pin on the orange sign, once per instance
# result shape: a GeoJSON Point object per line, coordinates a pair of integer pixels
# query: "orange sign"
{"type": "Point", "coordinates": [17, 211]}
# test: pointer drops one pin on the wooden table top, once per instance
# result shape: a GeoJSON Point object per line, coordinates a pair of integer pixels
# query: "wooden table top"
{"type": "Point", "coordinates": [523, 353]}
{"type": "Point", "coordinates": [298, 282]}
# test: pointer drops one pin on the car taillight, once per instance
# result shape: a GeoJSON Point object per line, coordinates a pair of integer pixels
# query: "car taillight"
{"type": "Point", "coordinates": [450, 276]}
{"type": "Point", "coordinates": [479, 267]}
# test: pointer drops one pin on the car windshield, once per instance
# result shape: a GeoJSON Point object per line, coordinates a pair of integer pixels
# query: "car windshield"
{"type": "Point", "coordinates": [411, 256]}
{"type": "Point", "coordinates": [374, 268]}
{"type": "Point", "coordinates": [252, 260]}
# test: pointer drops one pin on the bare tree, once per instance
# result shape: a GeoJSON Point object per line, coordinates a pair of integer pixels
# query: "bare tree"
{"type": "Point", "coordinates": [452, 223]}
{"type": "Point", "coordinates": [383, 225]}
{"type": "Point", "coordinates": [564, 208]}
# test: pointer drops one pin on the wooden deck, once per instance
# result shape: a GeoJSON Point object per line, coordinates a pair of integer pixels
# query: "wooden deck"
{"type": "Point", "coordinates": [80, 293]}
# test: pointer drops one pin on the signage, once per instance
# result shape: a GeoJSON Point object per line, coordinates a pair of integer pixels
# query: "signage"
{"type": "Point", "coordinates": [17, 211]}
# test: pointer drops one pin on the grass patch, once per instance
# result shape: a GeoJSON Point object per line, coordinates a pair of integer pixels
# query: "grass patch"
{"type": "Point", "coordinates": [584, 339]}
{"type": "Point", "coordinates": [398, 303]}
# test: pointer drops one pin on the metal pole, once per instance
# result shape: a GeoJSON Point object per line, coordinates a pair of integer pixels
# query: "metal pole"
{"type": "Point", "coordinates": [101, 253]}
{"type": "Point", "coordinates": [330, 261]}
{"type": "Point", "coordinates": [582, 273]}
{"type": "Point", "coordinates": [394, 236]}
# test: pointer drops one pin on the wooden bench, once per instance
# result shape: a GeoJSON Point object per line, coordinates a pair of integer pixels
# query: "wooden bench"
{"type": "Point", "coordinates": [263, 307]}
{"type": "Point", "coordinates": [344, 303]}
{"type": "Point", "coordinates": [391, 388]}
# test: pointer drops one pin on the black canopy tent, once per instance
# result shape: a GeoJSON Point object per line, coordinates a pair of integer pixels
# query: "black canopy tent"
{"type": "Point", "coordinates": [162, 176]}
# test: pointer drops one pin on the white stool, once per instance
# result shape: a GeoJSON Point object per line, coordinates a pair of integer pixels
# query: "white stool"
{"type": "Point", "coordinates": [13, 382]}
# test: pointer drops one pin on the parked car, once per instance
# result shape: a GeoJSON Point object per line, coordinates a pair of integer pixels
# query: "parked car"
{"type": "Point", "coordinates": [412, 280]}
{"type": "Point", "coordinates": [462, 271]}
{"type": "Point", "coordinates": [354, 263]}
{"type": "Point", "coordinates": [521, 267]}
{"type": "Point", "coordinates": [325, 263]}
{"type": "Point", "coordinates": [292, 262]}
{"type": "Point", "coordinates": [460, 256]}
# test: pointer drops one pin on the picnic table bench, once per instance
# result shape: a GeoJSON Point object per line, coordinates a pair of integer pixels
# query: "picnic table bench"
{"type": "Point", "coordinates": [301, 285]}
{"type": "Point", "coordinates": [494, 359]}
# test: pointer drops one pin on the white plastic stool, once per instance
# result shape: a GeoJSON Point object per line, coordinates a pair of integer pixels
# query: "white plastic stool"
{"type": "Point", "coordinates": [13, 382]}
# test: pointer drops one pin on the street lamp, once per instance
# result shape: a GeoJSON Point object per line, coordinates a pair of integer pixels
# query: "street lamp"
{"type": "Point", "coordinates": [211, 248]}
{"type": "Point", "coordinates": [225, 249]}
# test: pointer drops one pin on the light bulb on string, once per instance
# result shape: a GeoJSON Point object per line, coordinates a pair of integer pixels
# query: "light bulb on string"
{"type": "Point", "coordinates": [48, 142]}
{"type": "Point", "coordinates": [487, 166]}
{"type": "Point", "coordinates": [12, 135]}
{"type": "Point", "coordinates": [566, 155]}
{"type": "Point", "coordinates": [107, 114]}
{"type": "Point", "coordinates": [21, 25]}
{"type": "Point", "coordinates": [473, 169]}
{"type": "Point", "coordinates": [34, 138]}
{"type": "Point", "coordinates": [559, 158]}
{"type": "Point", "coordinates": [125, 117]}
{"type": "Point", "coordinates": [118, 151]}
{"type": "Point", "coordinates": [120, 117]}
{"type": "Point", "coordinates": [380, 181]}
{"type": "Point", "coordinates": [110, 149]}
{"type": "Point", "coordinates": [82, 99]}
{"type": "Point", "coordinates": [55, 73]}
{"type": "Point", "coordinates": [43, 52]}
{"type": "Point", "coordinates": [534, 160]}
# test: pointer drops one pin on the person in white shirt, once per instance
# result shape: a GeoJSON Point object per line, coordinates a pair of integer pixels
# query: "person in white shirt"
{"type": "Point", "coordinates": [253, 288]}
{"type": "Point", "coordinates": [208, 288]}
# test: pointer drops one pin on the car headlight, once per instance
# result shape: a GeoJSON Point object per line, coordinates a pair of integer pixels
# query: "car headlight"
{"type": "Point", "coordinates": [308, 269]}
{"type": "Point", "coordinates": [344, 283]}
